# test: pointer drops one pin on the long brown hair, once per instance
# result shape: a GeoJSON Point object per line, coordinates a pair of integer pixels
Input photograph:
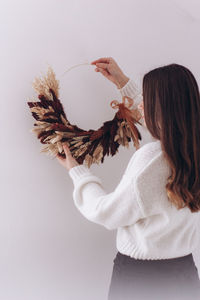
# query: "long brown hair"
{"type": "Point", "coordinates": [172, 114]}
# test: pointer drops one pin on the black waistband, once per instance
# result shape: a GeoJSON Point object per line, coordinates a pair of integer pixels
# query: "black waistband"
{"type": "Point", "coordinates": [188, 257]}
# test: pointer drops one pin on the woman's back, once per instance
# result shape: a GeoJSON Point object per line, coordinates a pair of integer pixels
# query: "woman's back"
{"type": "Point", "coordinates": [164, 231]}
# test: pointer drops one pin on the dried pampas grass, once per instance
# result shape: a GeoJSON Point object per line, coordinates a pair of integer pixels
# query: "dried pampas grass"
{"type": "Point", "coordinates": [53, 129]}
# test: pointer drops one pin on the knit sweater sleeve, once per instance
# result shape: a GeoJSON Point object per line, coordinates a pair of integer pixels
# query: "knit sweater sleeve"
{"type": "Point", "coordinates": [132, 90]}
{"type": "Point", "coordinates": [111, 210]}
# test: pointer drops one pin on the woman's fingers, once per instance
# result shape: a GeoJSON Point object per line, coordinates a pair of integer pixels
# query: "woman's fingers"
{"type": "Point", "coordinates": [108, 68]}
{"type": "Point", "coordinates": [101, 60]}
{"type": "Point", "coordinates": [66, 149]}
{"type": "Point", "coordinates": [102, 65]}
{"type": "Point", "coordinates": [103, 71]}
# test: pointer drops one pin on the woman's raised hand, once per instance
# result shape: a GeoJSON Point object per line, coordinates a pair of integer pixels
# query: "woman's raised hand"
{"type": "Point", "coordinates": [110, 69]}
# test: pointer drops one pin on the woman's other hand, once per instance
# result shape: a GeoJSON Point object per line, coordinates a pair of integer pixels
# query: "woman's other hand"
{"type": "Point", "coordinates": [110, 69]}
{"type": "Point", "coordinates": [68, 162]}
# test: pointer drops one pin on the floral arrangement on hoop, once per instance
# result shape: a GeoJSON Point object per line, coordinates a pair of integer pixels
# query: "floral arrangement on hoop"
{"type": "Point", "coordinates": [53, 128]}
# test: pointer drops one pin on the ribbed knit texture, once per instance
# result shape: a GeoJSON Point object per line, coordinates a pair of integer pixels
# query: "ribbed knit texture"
{"type": "Point", "coordinates": [132, 90]}
{"type": "Point", "coordinates": [148, 225]}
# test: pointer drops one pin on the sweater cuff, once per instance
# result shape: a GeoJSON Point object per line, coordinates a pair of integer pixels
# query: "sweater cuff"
{"type": "Point", "coordinates": [79, 171]}
{"type": "Point", "coordinates": [81, 174]}
{"type": "Point", "coordinates": [130, 88]}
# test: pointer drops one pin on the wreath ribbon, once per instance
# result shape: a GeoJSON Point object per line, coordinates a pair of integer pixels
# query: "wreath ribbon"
{"type": "Point", "coordinates": [117, 103]}
{"type": "Point", "coordinates": [125, 112]}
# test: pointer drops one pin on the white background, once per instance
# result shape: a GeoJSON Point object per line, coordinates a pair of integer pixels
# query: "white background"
{"type": "Point", "coordinates": [48, 251]}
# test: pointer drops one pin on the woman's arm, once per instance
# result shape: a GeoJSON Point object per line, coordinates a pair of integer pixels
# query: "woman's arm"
{"type": "Point", "coordinates": [127, 87]}
{"type": "Point", "coordinates": [111, 70]}
{"type": "Point", "coordinates": [112, 210]}
{"type": "Point", "coordinates": [132, 90]}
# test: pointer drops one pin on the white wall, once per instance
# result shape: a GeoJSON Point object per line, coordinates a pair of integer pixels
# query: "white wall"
{"type": "Point", "coordinates": [48, 251]}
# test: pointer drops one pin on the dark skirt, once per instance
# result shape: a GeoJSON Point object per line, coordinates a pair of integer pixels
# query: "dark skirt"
{"type": "Point", "coordinates": [139, 279]}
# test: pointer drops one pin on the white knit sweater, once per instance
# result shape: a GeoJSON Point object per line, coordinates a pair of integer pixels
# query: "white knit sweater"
{"type": "Point", "coordinates": [148, 225]}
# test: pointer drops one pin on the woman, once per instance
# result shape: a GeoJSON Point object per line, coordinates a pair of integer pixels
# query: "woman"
{"type": "Point", "coordinates": [155, 206]}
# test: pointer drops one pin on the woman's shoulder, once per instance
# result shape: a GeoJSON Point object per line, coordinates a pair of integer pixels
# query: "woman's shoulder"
{"type": "Point", "coordinates": [151, 162]}
{"type": "Point", "coordinates": [143, 157]}
{"type": "Point", "coordinates": [149, 149]}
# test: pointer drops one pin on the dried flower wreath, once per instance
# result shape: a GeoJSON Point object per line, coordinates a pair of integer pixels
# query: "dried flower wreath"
{"type": "Point", "coordinates": [53, 128]}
